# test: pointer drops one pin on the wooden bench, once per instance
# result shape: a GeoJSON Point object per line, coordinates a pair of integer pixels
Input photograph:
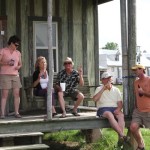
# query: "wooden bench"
{"type": "Point", "coordinates": [39, 102]}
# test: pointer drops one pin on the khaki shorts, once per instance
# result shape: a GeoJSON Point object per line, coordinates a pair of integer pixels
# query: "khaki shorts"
{"type": "Point", "coordinates": [142, 118]}
{"type": "Point", "coordinates": [9, 82]}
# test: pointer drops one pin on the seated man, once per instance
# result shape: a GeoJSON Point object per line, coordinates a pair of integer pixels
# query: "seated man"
{"type": "Point", "coordinates": [109, 104]}
{"type": "Point", "coordinates": [71, 78]}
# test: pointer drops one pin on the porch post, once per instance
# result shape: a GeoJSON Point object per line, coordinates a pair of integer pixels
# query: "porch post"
{"type": "Point", "coordinates": [131, 49]}
{"type": "Point", "coordinates": [50, 62]}
{"type": "Point", "coordinates": [124, 41]}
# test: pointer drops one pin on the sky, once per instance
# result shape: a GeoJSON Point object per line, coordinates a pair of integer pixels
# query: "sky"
{"type": "Point", "coordinates": [109, 23]}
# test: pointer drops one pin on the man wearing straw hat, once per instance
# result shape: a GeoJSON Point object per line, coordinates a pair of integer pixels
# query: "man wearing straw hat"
{"type": "Point", "coordinates": [141, 113]}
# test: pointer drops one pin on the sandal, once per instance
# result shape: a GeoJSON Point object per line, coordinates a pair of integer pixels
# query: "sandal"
{"type": "Point", "coordinates": [54, 114]}
{"type": "Point", "coordinates": [75, 114]}
{"type": "Point", "coordinates": [140, 148]}
{"type": "Point", "coordinates": [2, 117]}
{"type": "Point", "coordinates": [63, 116]}
{"type": "Point", "coordinates": [17, 116]}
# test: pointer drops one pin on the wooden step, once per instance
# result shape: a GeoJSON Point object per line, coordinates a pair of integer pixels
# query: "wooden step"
{"type": "Point", "coordinates": [21, 134]}
{"type": "Point", "coordinates": [22, 138]}
{"type": "Point", "coordinates": [26, 147]}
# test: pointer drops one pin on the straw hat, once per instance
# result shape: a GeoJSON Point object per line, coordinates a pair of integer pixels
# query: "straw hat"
{"type": "Point", "coordinates": [138, 66]}
{"type": "Point", "coordinates": [68, 59]}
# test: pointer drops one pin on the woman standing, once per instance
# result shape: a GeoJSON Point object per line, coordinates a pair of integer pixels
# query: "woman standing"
{"type": "Point", "coordinates": [10, 63]}
{"type": "Point", "coordinates": [40, 80]}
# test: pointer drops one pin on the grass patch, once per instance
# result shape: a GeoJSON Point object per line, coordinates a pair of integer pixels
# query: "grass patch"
{"type": "Point", "coordinates": [75, 140]}
{"type": "Point", "coordinates": [71, 135]}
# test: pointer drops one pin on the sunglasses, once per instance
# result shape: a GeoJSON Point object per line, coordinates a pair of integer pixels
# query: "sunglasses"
{"type": "Point", "coordinates": [67, 63]}
{"type": "Point", "coordinates": [16, 44]}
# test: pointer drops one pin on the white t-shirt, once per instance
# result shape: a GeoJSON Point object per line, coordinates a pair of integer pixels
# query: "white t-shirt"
{"type": "Point", "coordinates": [109, 98]}
{"type": "Point", "coordinates": [44, 82]}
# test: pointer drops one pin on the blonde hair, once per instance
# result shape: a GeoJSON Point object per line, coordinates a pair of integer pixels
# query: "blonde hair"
{"type": "Point", "coordinates": [38, 61]}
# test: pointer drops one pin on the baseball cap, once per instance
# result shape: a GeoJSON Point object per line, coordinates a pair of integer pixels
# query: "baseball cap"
{"type": "Point", "coordinates": [138, 66]}
{"type": "Point", "coordinates": [106, 75]}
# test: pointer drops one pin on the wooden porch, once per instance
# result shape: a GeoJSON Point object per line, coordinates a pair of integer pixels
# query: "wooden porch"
{"type": "Point", "coordinates": [39, 123]}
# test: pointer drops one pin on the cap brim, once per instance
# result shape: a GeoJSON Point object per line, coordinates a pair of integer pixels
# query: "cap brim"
{"type": "Point", "coordinates": [107, 77]}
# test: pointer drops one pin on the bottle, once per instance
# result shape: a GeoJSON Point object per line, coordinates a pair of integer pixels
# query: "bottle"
{"type": "Point", "coordinates": [140, 93]}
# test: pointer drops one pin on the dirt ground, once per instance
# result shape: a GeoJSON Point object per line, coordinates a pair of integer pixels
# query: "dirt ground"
{"type": "Point", "coordinates": [63, 145]}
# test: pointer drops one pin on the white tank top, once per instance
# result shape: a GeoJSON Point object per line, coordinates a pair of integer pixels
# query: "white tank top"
{"type": "Point", "coordinates": [44, 82]}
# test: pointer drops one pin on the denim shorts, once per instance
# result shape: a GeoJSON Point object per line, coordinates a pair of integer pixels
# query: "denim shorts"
{"type": "Point", "coordinates": [101, 110]}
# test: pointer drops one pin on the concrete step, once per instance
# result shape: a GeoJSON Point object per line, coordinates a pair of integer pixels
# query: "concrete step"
{"type": "Point", "coordinates": [26, 147]}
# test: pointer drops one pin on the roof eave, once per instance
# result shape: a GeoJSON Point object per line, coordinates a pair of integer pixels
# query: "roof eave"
{"type": "Point", "coordinates": [103, 1]}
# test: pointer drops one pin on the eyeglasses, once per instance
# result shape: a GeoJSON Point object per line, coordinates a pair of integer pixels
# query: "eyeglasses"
{"type": "Point", "coordinates": [67, 63]}
{"type": "Point", "coordinates": [16, 44]}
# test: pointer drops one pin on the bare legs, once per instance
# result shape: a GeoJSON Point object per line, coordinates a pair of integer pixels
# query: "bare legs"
{"type": "Point", "coordinates": [117, 126]}
{"type": "Point", "coordinates": [4, 100]}
{"type": "Point", "coordinates": [53, 109]}
{"type": "Point", "coordinates": [16, 100]}
{"type": "Point", "coordinates": [80, 97]}
{"type": "Point", "coordinates": [135, 129]}
{"type": "Point", "coordinates": [62, 103]}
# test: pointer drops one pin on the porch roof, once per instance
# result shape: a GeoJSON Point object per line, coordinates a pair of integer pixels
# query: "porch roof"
{"type": "Point", "coordinates": [103, 1]}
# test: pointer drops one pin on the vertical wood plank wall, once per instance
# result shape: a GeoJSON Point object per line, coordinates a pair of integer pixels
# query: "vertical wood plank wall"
{"type": "Point", "coordinates": [76, 31]}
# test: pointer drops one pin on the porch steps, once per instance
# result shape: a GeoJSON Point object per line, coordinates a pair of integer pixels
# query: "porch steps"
{"type": "Point", "coordinates": [22, 141]}
{"type": "Point", "coordinates": [26, 147]}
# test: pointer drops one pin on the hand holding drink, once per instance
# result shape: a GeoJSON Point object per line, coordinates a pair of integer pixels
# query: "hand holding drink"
{"type": "Point", "coordinates": [11, 62]}
{"type": "Point", "coordinates": [140, 90]}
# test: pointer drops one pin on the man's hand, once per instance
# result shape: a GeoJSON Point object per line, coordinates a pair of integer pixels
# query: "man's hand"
{"type": "Point", "coordinates": [80, 71]}
{"type": "Point", "coordinates": [107, 86]}
{"type": "Point", "coordinates": [140, 90]}
{"type": "Point", "coordinates": [117, 111]}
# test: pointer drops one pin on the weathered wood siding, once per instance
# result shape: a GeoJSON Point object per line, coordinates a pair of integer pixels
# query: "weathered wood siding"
{"type": "Point", "coordinates": [76, 32]}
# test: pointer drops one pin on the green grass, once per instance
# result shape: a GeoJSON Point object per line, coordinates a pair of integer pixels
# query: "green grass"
{"type": "Point", "coordinates": [107, 142]}
{"type": "Point", "coordinates": [120, 87]}
{"type": "Point", "coordinates": [71, 135]}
